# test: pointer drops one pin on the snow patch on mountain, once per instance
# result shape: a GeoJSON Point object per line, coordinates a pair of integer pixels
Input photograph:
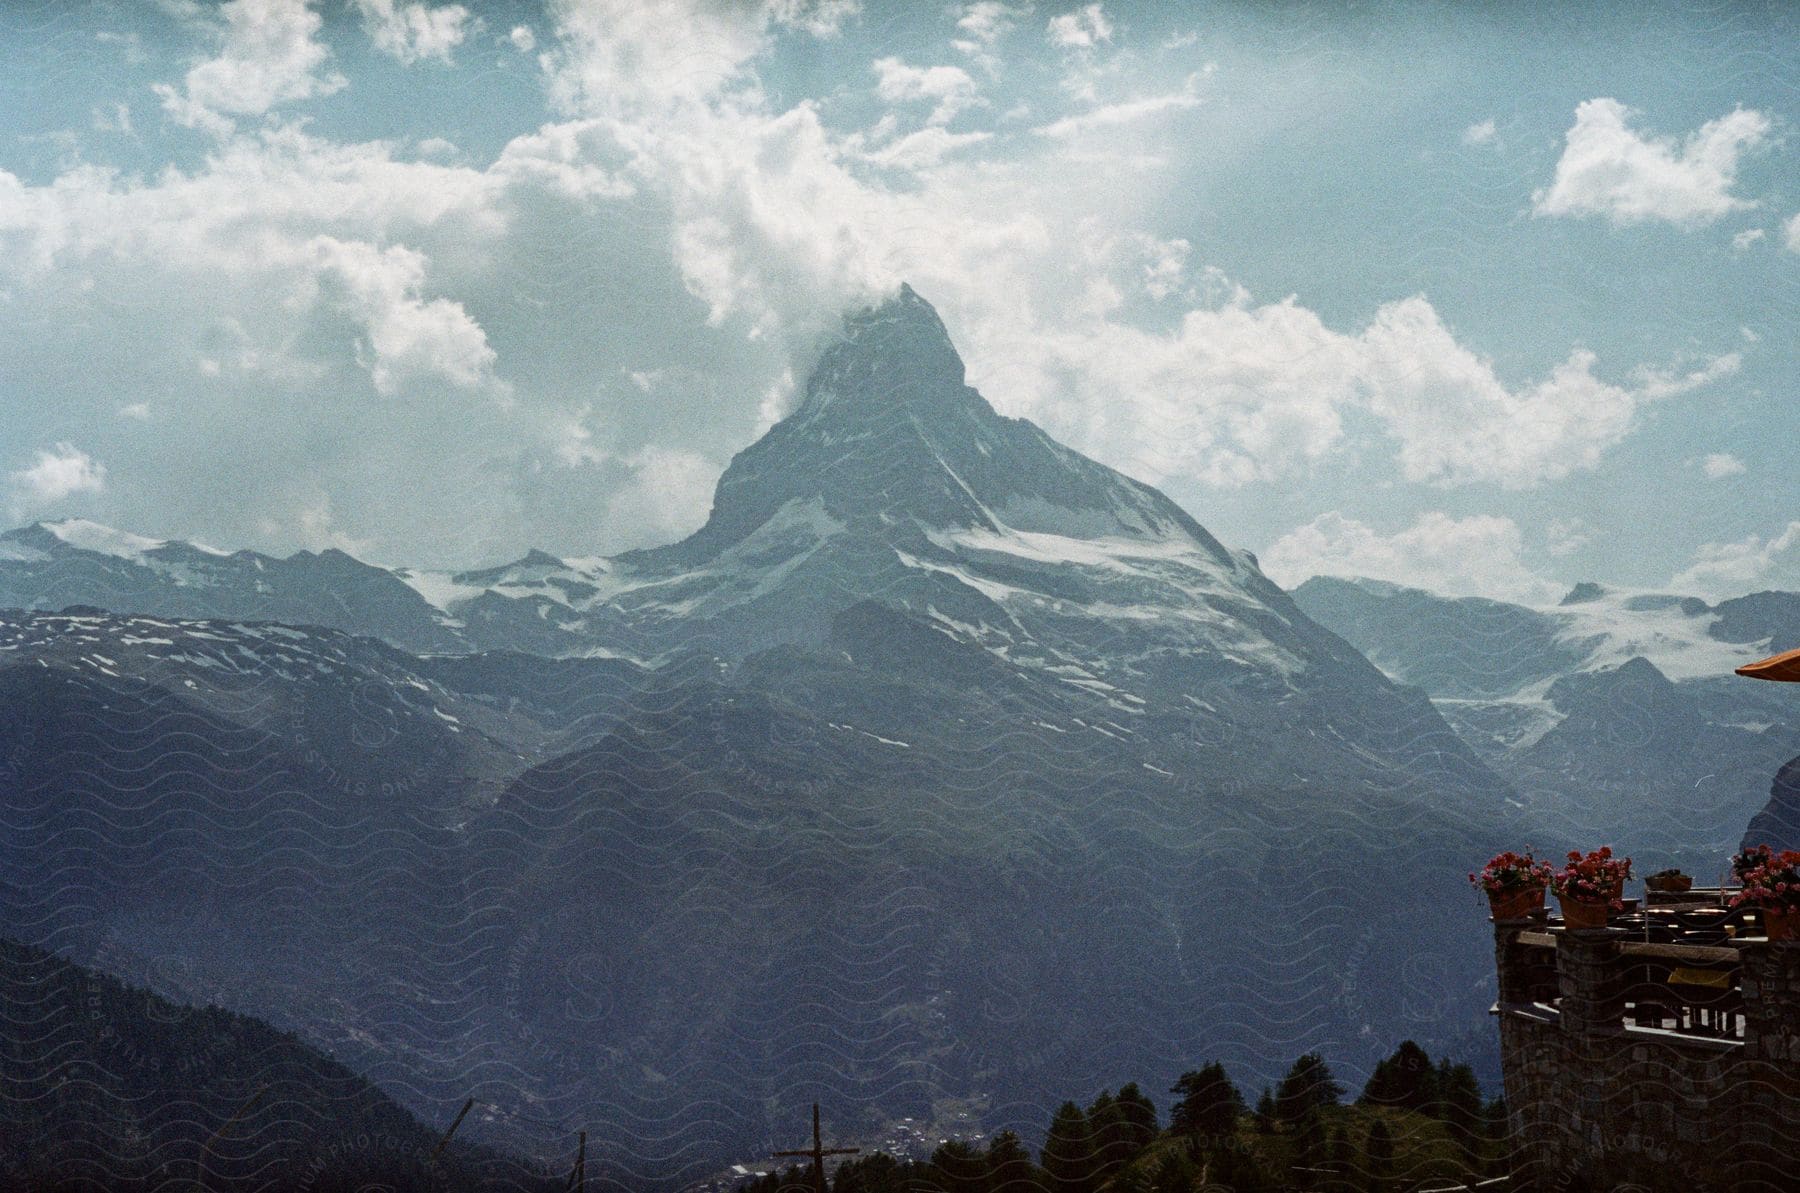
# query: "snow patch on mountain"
{"type": "Point", "coordinates": [441, 590]}
{"type": "Point", "coordinates": [1672, 632]}
{"type": "Point", "coordinates": [104, 540]}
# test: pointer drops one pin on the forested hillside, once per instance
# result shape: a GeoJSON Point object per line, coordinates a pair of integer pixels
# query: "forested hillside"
{"type": "Point", "coordinates": [107, 1087]}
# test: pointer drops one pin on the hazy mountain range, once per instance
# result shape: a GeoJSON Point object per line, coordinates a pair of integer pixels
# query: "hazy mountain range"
{"type": "Point", "coordinates": [943, 771]}
{"type": "Point", "coordinates": [1612, 713]}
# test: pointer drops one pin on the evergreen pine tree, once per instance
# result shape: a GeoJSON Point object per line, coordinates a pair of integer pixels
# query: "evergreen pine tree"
{"type": "Point", "coordinates": [1010, 1168]}
{"type": "Point", "coordinates": [1069, 1151]}
{"type": "Point", "coordinates": [1135, 1178]}
{"type": "Point", "coordinates": [958, 1168]}
{"type": "Point", "coordinates": [1235, 1168]}
{"type": "Point", "coordinates": [1112, 1141]}
{"type": "Point", "coordinates": [877, 1172]}
{"type": "Point", "coordinates": [1342, 1162]}
{"type": "Point", "coordinates": [1210, 1104]}
{"type": "Point", "coordinates": [1265, 1111]}
{"type": "Point", "coordinates": [1310, 1148]}
{"type": "Point", "coordinates": [1494, 1116]}
{"type": "Point", "coordinates": [1139, 1114]}
{"type": "Point", "coordinates": [1308, 1086]}
{"type": "Point", "coordinates": [1405, 1080]}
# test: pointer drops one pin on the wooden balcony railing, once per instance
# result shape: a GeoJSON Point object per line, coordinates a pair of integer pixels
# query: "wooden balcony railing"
{"type": "Point", "coordinates": [1670, 970]}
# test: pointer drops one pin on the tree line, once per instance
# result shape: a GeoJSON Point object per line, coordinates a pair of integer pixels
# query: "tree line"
{"type": "Point", "coordinates": [1415, 1120]}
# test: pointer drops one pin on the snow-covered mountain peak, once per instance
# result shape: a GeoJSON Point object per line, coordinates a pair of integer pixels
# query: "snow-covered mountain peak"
{"type": "Point", "coordinates": [891, 444]}
{"type": "Point", "coordinates": [83, 535]}
{"type": "Point", "coordinates": [894, 355]}
{"type": "Point", "coordinates": [80, 534]}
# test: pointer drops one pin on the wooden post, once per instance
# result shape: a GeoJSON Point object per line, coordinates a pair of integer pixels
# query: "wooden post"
{"type": "Point", "coordinates": [578, 1174]}
{"type": "Point", "coordinates": [205, 1148]}
{"type": "Point", "coordinates": [818, 1151]}
{"type": "Point", "coordinates": [445, 1141]}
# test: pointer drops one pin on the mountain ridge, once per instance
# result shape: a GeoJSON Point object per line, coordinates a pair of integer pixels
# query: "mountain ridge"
{"type": "Point", "coordinates": [1616, 711]}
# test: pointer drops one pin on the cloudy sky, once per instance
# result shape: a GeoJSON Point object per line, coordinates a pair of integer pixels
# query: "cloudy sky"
{"type": "Point", "coordinates": [1488, 301]}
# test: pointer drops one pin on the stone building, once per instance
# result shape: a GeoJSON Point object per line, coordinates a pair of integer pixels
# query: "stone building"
{"type": "Point", "coordinates": [1661, 1053]}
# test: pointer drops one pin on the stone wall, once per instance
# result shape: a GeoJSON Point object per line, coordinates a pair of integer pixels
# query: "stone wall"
{"type": "Point", "coordinates": [1596, 1104]}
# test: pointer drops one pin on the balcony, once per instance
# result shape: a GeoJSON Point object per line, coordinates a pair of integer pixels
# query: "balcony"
{"type": "Point", "coordinates": [1680, 969]}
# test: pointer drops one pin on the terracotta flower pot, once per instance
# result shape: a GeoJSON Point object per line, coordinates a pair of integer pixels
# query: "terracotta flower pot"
{"type": "Point", "coordinates": [1516, 903]}
{"type": "Point", "coordinates": [1782, 923]}
{"type": "Point", "coordinates": [1578, 913]}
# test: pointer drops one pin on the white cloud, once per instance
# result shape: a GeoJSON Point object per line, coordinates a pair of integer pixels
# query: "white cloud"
{"type": "Point", "coordinates": [821, 18]}
{"type": "Point", "coordinates": [1081, 29]}
{"type": "Point", "coordinates": [403, 335]}
{"type": "Point", "coordinates": [413, 31]}
{"type": "Point", "coordinates": [618, 56]}
{"type": "Point", "coordinates": [1456, 421]}
{"type": "Point", "coordinates": [522, 39]}
{"type": "Point", "coordinates": [1112, 116]}
{"type": "Point", "coordinates": [1240, 393]}
{"type": "Point", "coordinates": [1790, 232]}
{"type": "Point", "coordinates": [1481, 133]}
{"type": "Point", "coordinates": [1608, 169]}
{"type": "Point", "coordinates": [268, 55]}
{"type": "Point", "coordinates": [985, 22]}
{"type": "Point", "coordinates": [1743, 240]}
{"type": "Point", "coordinates": [1751, 564]}
{"type": "Point", "coordinates": [315, 527]}
{"type": "Point", "coordinates": [1165, 270]}
{"type": "Point", "coordinates": [1480, 555]}
{"type": "Point", "coordinates": [765, 212]}
{"type": "Point", "coordinates": [56, 473]}
{"type": "Point", "coordinates": [925, 148]}
{"type": "Point", "coordinates": [668, 492]}
{"type": "Point", "coordinates": [271, 299]}
{"type": "Point", "coordinates": [950, 87]}
{"type": "Point", "coordinates": [1565, 536]}
{"type": "Point", "coordinates": [615, 56]}
{"type": "Point", "coordinates": [1719, 465]}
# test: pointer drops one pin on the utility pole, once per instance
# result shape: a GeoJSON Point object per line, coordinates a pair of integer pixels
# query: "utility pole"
{"type": "Point", "coordinates": [443, 1143]}
{"type": "Point", "coordinates": [818, 1151]}
{"type": "Point", "coordinates": [578, 1174]}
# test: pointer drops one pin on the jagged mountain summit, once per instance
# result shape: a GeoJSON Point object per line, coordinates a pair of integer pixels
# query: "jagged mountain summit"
{"type": "Point", "coordinates": [889, 435]}
{"type": "Point", "coordinates": [895, 482]}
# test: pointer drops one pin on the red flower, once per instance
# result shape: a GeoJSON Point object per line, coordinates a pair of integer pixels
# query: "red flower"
{"type": "Point", "coordinates": [1770, 879]}
{"type": "Point", "coordinates": [1596, 877]}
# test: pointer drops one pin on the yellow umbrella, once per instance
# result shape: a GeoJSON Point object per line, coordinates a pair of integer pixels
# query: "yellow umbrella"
{"type": "Point", "coordinates": [1784, 667]}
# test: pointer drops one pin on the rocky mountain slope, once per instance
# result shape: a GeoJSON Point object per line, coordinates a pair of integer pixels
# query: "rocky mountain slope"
{"type": "Point", "coordinates": [108, 1086]}
{"type": "Point", "coordinates": [50, 565]}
